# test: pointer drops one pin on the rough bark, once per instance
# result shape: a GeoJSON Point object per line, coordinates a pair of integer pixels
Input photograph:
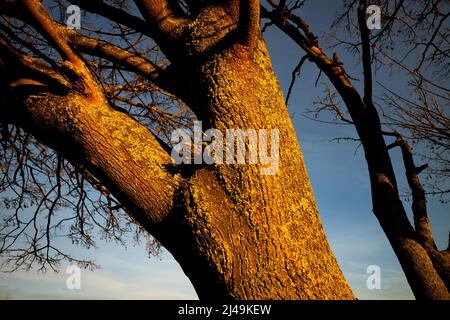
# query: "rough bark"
{"type": "Point", "coordinates": [261, 236]}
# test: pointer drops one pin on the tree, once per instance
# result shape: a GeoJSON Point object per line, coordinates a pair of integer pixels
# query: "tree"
{"type": "Point", "coordinates": [96, 103]}
{"type": "Point", "coordinates": [425, 36]}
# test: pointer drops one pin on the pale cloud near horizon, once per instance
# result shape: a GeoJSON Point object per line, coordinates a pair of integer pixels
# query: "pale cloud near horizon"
{"type": "Point", "coordinates": [155, 279]}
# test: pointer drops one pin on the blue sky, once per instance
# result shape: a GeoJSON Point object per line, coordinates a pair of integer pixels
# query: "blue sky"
{"type": "Point", "coordinates": [341, 186]}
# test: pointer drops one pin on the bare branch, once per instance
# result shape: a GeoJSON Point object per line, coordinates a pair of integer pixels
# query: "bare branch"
{"type": "Point", "coordinates": [116, 55]}
{"type": "Point", "coordinates": [295, 74]}
{"type": "Point", "coordinates": [52, 31]}
{"type": "Point", "coordinates": [169, 21]}
{"type": "Point", "coordinates": [117, 15]}
{"type": "Point", "coordinates": [419, 207]}
{"type": "Point", "coordinates": [366, 55]}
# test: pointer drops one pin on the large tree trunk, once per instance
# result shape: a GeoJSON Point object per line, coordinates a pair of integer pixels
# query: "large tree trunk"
{"type": "Point", "coordinates": [245, 235]}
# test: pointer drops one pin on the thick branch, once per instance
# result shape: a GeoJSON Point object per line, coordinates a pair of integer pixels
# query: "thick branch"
{"type": "Point", "coordinates": [98, 48]}
{"type": "Point", "coordinates": [282, 22]}
{"type": "Point", "coordinates": [169, 21]}
{"type": "Point", "coordinates": [86, 130]}
{"type": "Point", "coordinates": [249, 21]}
{"type": "Point", "coordinates": [332, 68]}
{"type": "Point", "coordinates": [366, 55]}
{"type": "Point", "coordinates": [52, 31]}
{"type": "Point", "coordinates": [115, 54]}
{"type": "Point", "coordinates": [22, 70]}
{"type": "Point", "coordinates": [119, 151]}
{"type": "Point", "coordinates": [419, 206]}
{"type": "Point", "coordinates": [57, 34]}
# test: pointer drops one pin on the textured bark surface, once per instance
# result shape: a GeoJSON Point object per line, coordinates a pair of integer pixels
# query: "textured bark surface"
{"type": "Point", "coordinates": [258, 236]}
